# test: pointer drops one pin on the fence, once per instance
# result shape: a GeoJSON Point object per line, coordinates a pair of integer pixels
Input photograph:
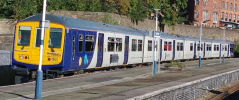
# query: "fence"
{"type": "Point", "coordinates": [191, 90]}
{"type": "Point", "coordinates": [5, 57]}
{"type": "Point", "coordinates": [7, 75]}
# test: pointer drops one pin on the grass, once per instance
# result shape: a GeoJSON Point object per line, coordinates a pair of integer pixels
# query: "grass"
{"type": "Point", "coordinates": [176, 63]}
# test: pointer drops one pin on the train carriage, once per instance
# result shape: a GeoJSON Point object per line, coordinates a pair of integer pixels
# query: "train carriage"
{"type": "Point", "coordinates": [75, 44]}
{"type": "Point", "coordinates": [189, 47]}
{"type": "Point", "coordinates": [216, 49]}
{"type": "Point", "coordinates": [207, 51]}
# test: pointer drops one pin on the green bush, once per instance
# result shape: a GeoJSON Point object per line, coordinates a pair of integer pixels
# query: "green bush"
{"type": "Point", "coordinates": [176, 63]}
{"type": "Point", "coordinates": [135, 9]}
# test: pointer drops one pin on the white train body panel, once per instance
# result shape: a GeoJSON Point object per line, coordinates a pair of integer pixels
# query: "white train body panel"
{"type": "Point", "coordinates": [188, 49]}
{"type": "Point", "coordinates": [208, 50]}
{"type": "Point", "coordinates": [223, 51]}
{"type": "Point", "coordinates": [135, 49]}
{"type": "Point", "coordinates": [179, 48]}
{"type": "Point", "coordinates": [108, 51]}
{"type": "Point", "coordinates": [148, 50]}
{"type": "Point", "coordinates": [167, 49]}
{"type": "Point", "coordinates": [215, 49]}
{"type": "Point", "coordinates": [198, 50]}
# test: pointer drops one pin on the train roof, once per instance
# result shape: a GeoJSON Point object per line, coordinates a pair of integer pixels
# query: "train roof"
{"type": "Point", "coordinates": [88, 25]}
{"type": "Point", "coordinates": [166, 35]}
{"type": "Point", "coordinates": [69, 22]}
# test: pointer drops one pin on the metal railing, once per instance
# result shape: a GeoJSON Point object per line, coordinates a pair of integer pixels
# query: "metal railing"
{"type": "Point", "coordinates": [5, 57]}
{"type": "Point", "coordinates": [191, 90]}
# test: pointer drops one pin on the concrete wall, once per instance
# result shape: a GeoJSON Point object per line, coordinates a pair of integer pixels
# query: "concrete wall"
{"type": "Point", "coordinates": [7, 26]}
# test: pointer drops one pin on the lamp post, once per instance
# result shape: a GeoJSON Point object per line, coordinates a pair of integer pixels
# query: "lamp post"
{"type": "Point", "coordinates": [158, 35]}
{"type": "Point", "coordinates": [155, 63]}
{"type": "Point", "coordinates": [223, 59]}
{"type": "Point", "coordinates": [38, 87]}
{"type": "Point", "coordinates": [200, 44]}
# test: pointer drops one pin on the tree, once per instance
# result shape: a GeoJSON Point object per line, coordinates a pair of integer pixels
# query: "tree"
{"type": "Point", "coordinates": [169, 11]}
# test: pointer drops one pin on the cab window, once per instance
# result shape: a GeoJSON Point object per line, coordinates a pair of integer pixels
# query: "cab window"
{"type": "Point", "coordinates": [24, 35]}
{"type": "Point", "coordinates": [55, 38]}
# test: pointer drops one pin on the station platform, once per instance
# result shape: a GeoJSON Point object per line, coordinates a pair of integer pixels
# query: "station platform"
{"type": "Point", "coordinates": [118, 84]}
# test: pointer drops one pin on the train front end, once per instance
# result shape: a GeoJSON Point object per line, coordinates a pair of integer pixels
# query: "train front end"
{"type": "Point", "coordinates": [26, 48]}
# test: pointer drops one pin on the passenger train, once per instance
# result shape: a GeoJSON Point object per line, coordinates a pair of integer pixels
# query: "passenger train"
{"type": "Point", "coordinates": [75, 44]}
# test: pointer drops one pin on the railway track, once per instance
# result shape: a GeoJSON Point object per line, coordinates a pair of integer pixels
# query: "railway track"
{"type": "Point", "coordinates": [222, 93]}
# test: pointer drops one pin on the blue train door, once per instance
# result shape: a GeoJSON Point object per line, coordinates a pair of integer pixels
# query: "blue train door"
{"type": "Point", "coordinates": [231, 50]}
{"type": "Point", "coordinates": [126, 51]}
{"type": "Point", "coordinates": [194, 50]}
{"type": "Point", "coordinates": [79, 50]}
{"type": "Point", "coordinates": [100, 50]}
{"type": "Point", "coordinates": [174, 49]}
{"type": "Point", "coordinates": [73, 53]}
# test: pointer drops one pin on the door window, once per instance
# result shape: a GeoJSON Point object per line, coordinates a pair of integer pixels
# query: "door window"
{"type": "Point", "coordinates": [81, 40]}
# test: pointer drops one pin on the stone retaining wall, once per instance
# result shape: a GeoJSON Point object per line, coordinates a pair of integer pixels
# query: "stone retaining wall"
{"type": "Point", "coordinates": [7, 26]}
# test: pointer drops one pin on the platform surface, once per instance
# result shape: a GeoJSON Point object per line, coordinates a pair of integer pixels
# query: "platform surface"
{"type": "Point", "coordinates": [118, 84]}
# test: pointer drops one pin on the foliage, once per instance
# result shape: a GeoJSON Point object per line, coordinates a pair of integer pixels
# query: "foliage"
{"type": "Point", "coordinates": [109, 19]}
{"type": "Point", "coordinates": [135, 9]}
{"type": "Point", "coordinates": [175, 63]}
{"type": "Point", "coordinates": [181, 17]}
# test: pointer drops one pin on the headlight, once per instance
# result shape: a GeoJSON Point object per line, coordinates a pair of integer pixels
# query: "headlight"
{"type": "Point", "coordinates": [21, 57]}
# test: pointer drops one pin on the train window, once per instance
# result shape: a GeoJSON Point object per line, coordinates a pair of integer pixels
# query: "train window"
{"type": "Point", "coordinates": [201, 47]}
{"type": "Point", "coordinates": [149, 45]}
{"type": "Point", "coordinates": [165, 45]}
{"type": "Point", "coordinates": [24, 35]}
{"type": "Point", "coordinates": [209, 46]}
{"type": "Point", "coordinates": [215, 47]}
{"type": "Point", "coordinates": [55, 38]}
{"type": "Point", "coordinates": [225, 47]}
{"type": "Point", "coordinates": [169, 46]}
{"type": "Point", "coordinates": [38, 37]}
{"type": "Point", "coordinates": [156, 46]}
{"type": "Point", "coordinates": [181, 46]}
{"type": "Point", "coordinates": [119, 44]}
{"type": "Point", "coordinates": [134, 44]}
{"type": "Point", "coordinates": [198, 47]}
{"type": "Point", "coordinates": [73, 46]}
{"type": "Point", "coordinates": [191, 46]}
{"type": "Point", "coordinates": [111, 43]}
{"type": "Point", "coordinates": [81, 40]}
{"type": "Point", "coordinates": [178, 46]}
{"type": "Point", "coordinates": [140, 45]}
{"type": "Point", "coordinates": [89, 43]}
